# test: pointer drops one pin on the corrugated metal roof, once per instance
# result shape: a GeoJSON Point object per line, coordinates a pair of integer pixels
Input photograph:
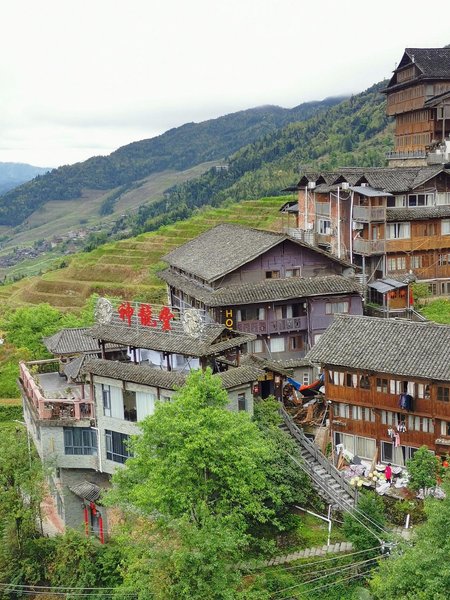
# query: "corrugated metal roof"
{"type": "Point", "coordinates": [369, 192]}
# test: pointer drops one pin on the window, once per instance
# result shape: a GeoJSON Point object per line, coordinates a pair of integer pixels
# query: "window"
{"type": "Point", "coordinates": [443, 393]}
{"type": "Point", "coordinates": [277, 344]}
{"type": "Point", "coordinates": [415, 262]}
{"type": "Point", "coordinates": [396, 263]}
{"type": "Point", "coordinates": [389, 418]}
{"type": "Point", "coordinates": [342, 410]}
{"type": "Point", "coordinates": [444, 259]}
{"type": "Point", "coordinates": [295, 343]}
{"type": "Point", "coordinates": [382, 385]}
{"type": "Point", "coordinates": [397, 231]}
{"type": "Point", "coordinates": [80, 440]}
{"type": "Point", "coordinates": [305, 378]}
{"type": "Point", "coordinates": [129, 406]}
{"type": "Point", "coordinates": [365, 447]}
{"type": "Point", "coordinates": [292, 272]}
{"type": "Point", "coordinates": [272, 274]}
{"type": "Point", "coordinates": [332, 308]}
{"type": "Point", "coordinates": [364, 382]}
{"type": "Point", "coordinates": [324, 227]}
{"type": "Point", "coordinates": [257, 346]}
{"type": "Point", "coordinates": [106, 396]}
{"type": "Point", "coordinates": [420, 199]}
{"type": "Point", "coordinates": [445, 428]}
{"type": "Point", "coordinates": [351, 379]}
{"type": "Point", "coordinates": [445, 227]}
{"type": "Point", "coordinates": [242, 402]}
{"type": "Point", "coordinates": [116, 446]}
{"type": "Point", "coordinates": [363, 413]}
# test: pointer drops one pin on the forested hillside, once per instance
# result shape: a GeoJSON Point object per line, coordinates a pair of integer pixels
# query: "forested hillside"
{"type": "Point", "coordinates": [354, 132]}
{"type": "Point", "coordinates": [177, 149]}
{"type": "Point", "coordinates": [13, 174]}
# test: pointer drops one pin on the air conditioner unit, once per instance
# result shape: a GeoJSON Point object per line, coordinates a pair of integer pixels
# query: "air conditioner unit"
{"type": "Point", "coordinates": [364, 184]}
{"type": "Point", "coordinates": [328, 230]}
{"type": "Point", "coordinates": [311, 185]}
{"type": "Point", "coordinates": [357, 225]}
{"type": "Point", "coordinates": [309, 226]}
{"type": "Point", "coordinates": [345, 185]}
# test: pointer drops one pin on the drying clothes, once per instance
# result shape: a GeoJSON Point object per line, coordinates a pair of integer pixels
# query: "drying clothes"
{"type": "Point", "coordinates": [406, 402]}
{"type": "Point", "coordinates": [396, 440]}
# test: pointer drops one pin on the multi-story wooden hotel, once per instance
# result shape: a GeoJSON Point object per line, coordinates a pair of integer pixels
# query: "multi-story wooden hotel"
{"type": "Point", "coordinates": [389, 384]}
{"type": "Point", "coordinates": [418, 96]}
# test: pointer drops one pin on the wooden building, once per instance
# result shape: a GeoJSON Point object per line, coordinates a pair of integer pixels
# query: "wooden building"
{"type": "Point", "coordinates": [418, 96]}
{"type": "Point", "coordinates": [390, 222]}
{"type": "Point", "coordinates": [389, 384]}
{"type": "Point", "coordinates": [279, 288]}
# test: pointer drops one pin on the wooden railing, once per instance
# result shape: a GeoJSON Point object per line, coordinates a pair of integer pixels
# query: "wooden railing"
{"type": "Point", "coordinates": [273, 326]}
{"type": "Point", "coordinates": [369, 213]}
{"type": "Point", "coordinates": [55, 409]}
{"type": "Point", "coordinates": [316, 454]}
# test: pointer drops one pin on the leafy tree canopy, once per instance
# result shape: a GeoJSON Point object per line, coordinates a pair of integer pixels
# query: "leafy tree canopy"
{"type": "Point", "coordinates": [423, 468]}
{"type": "Point", "coordinates": [194, 453]}
{"type": "Point", "coordinates": [420, 571]}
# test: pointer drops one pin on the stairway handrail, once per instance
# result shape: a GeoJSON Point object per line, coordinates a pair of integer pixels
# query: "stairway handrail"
{"type": "Point", "coordinates": [316, 453]}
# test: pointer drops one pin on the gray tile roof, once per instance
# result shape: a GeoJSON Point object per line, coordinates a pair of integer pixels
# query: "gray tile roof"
{"type": "Point", "coordinates": [168, 380]}
{"type": "Point", "coordinates": [389, 179]}
{"type": "Point", "coordinates": [72, 370]}
{"type": "Point", "coordinates": [226, 247]}
{"type": "Point", "coordinates": [214, 339]}
{"type": "Point", "coordinates": [433, 62]}
{"type": "Point", "coordinates": [391, 346]}
{"type": "Point", "coordinates": [140, 374]}
{"type": "Point", "coordinates": [417, 213]}
{"type": "Point", "coordinates": [70, 341]}
{"type": "Point", "coordinates": [86, 490]}
{"type": "Point", "coordinates": [267, 290]}
{"type": "Point", "coordinates": [73, 341]}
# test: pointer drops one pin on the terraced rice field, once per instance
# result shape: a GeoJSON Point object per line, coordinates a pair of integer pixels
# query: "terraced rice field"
{"type": "Point", "coordinates": [128, 268]}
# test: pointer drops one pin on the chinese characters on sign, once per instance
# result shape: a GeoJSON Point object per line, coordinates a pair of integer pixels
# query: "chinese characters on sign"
{"type": "Point", "coordinates": [145, 315]}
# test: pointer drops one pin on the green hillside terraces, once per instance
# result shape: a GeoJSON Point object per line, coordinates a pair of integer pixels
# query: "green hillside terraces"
{"type": "Point", "coordinates": [127, 268]}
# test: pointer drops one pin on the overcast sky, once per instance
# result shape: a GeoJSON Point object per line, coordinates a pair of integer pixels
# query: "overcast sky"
{"type": "Point", "coordinates": [82, 77]}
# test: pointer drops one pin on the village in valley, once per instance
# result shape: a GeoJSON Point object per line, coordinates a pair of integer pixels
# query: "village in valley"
{"type": "Point", "coordinates": [319, 316]}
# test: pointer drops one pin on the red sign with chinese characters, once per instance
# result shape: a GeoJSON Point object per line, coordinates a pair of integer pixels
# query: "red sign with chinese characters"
{"type": "Point", "coordinates": [146, 316]}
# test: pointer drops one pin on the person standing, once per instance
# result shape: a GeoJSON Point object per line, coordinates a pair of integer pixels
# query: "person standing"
{"type": "Point", "coordinates": [388, 473]}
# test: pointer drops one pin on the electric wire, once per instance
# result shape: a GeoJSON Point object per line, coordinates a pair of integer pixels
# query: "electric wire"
{"type": "Point", "coordinates": [318, 562]}
{"type": "Point", "coordinates": [334, 571]}
{"type": "Point", "coordinates": [343, 503]}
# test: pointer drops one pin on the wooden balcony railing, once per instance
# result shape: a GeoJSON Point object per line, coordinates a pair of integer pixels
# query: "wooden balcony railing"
{"type": "Point", "coordinates": [367, 214]}
{"type": "Point", "coordinates": [75, 407]}
{"type": "Point", "coordinates": [273, 326]}
{"type": "Point", "coordinates": [367, 247]}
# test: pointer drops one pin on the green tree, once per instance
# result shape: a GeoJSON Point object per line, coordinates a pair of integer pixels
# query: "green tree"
{"type": "Point", "coordinates": [194, 453]}
{"type": "Point", "coordinates": [423, 468]}
{"type": "Point", "coordinates": [420, 571]}
{"type": "Point", "coordinates": [21, 488]}
{"type": "Point", "coordinates": [370, 505]}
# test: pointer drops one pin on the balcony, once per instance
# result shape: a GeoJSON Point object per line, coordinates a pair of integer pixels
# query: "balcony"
{"type": "Point", "coordinates": [273, 326]}
{"type": "Point", "coordinates": [323, 209]}
{"type": "Point", "coordinates": [366, 214]}
{"type": "Point", "coordinates": [369, 247]}
{"type": "Point", "coordinates": [51, 397]}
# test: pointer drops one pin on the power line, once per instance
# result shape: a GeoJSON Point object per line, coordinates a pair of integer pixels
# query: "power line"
{"type": "Point", "coordinates": [334, 571]}
{"type": "Point", "coordinates": [317, 562]}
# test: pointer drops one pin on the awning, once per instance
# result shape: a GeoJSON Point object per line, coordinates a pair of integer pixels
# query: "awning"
{"type": "Point", "coordinates": [87, 491]}
{"type": "Point", "coordinates": [386, 285]}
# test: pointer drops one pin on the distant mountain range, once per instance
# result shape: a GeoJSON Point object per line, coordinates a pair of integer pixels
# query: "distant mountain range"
{"type": "Point", "coordinates": [177, 149]}
{"type": "Point", "coordinates": [14, 174]}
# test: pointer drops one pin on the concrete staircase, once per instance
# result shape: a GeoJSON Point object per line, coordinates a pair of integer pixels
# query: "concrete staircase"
{"type": "Point", "coordinates": [327, 480]}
